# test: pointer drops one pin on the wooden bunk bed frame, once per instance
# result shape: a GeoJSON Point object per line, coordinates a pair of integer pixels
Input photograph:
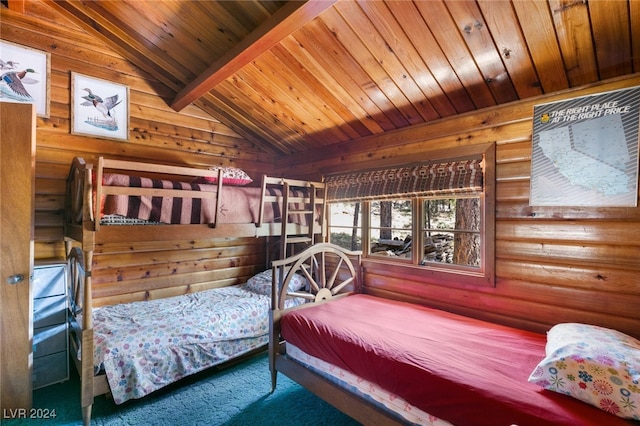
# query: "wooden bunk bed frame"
{"type": "Point", "coordinates": [83, 233]}
{"type": "Point", "coordinates": [82, 222]}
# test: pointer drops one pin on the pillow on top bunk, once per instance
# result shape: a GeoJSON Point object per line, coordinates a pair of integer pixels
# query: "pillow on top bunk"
{"type": "Point", "coordinates": [261, 283]}
{"type": "Point", "coordinates": [596, 365]}
{"type": "Point", "coordinates": [230, 176]}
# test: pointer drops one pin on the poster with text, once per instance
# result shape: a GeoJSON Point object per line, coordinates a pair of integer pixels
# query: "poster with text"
{"type": "Point", "coordinates": [585, 151]}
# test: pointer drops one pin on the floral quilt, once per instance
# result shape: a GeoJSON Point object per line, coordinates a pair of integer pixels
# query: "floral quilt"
{"type": "Point", "coordinates": [145, 346]}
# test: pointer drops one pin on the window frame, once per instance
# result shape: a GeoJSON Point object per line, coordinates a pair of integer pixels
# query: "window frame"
{"type": "Point", "coordinates": [482, 275]}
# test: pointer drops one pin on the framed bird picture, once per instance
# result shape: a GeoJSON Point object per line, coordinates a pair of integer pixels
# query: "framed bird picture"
{"type": "Point", "coordinates": [24, 76]}
{"type": "Point", "coordinates": [99, 108]}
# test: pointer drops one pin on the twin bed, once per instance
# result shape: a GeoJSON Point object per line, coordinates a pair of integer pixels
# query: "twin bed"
{"type": "Point", "coordinates": [140, 347]}
{"type": "Point", "coordinates": [390, 362]}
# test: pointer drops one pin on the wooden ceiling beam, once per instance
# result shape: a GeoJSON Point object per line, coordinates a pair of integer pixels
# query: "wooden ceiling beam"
{"type": "Point", "coordinates": [16, 5]}
{"type": "Point", "coordinates": [285, 21]}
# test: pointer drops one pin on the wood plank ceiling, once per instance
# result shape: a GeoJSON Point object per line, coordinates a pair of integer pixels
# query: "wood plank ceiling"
{"type": "Point", "coordinates": [297, 76]}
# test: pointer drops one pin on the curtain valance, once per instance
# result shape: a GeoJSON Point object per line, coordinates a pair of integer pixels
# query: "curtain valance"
{"type": "Point", "coordinates": [421, 180]}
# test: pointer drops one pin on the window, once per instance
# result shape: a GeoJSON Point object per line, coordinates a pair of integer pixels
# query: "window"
{"type": "Point", "coordinates": [445, 207]}
{"type": "Point", "coordinates": [451, 231]}
{"type": "Point", "coordinates": [346, 225]}
{"type": "Point", "coordinates": [391, 228]}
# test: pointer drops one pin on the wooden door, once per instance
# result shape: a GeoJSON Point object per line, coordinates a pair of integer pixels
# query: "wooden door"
{"type": "Point", "coordinates": [17, 189]}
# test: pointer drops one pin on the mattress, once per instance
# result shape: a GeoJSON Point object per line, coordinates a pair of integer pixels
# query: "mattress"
{"type": "Point", "coordinates": [238, 204]}
{"type": "Point", "coordinates": [144, 346]}
{"type": "Point", "coordinates": [459, 369]}
{"type": "Point", "coordinates": [403, 411]}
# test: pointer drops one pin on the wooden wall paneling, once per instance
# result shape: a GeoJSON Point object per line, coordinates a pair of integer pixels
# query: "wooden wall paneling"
{"type": "Point", "coordinates": [512, 191]}
{"type": "Point", "coordinates": [525, 304]}
{"type": "Point", "coordinates": [513, 151]}
{"type": "Point", "coordinates": [560, 252]}
{"type": "Point", "coordinates": [165, 263]}
{"type": "Point", "coordinates": [578, 277]}
{"type": "Point", "coordinates": [142, 270]}
{"type": "Point", "coordinates": [483, 304]}
{"type": "Point", "coordinates": [173, 288]}
{"type": "Point", "coordinates": [527, 323]}
{"type": "Point", "coordinates": [583, 231]}
{"type": "Point", "coordinates": [214, 248]}
{"type": "Point", "coordinates": [517, 207]}
{"type": "Point", "coordinates": [379, 154]}
{"type": "Point", "coordinates": [176, 284]}
{"type": "Point", "coordinates": [172, 267]}
{"type": "Point", "coordinates": [382, 150]}
{"type": "Point", "coordinates": [218, 246]}
{"type": "Point", "coordinates": [514, 171]}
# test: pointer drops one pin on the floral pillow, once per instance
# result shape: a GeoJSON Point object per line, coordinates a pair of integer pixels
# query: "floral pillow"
{"type": "Point", "coordinates": [230, 176]}
{"type": "Point", "coordinates": [596, 365]}
{"type": "Point", "coordinates": [261, 283]}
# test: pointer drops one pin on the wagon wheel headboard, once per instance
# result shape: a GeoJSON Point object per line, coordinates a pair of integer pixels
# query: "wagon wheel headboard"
{"type": "Point", "coordinates": [329, 270]}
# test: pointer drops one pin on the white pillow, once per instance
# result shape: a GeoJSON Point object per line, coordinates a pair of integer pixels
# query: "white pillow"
{"type": "Point", "coordinates": [596, 365]}
{"type": "Point", "coordinates": [261, 283]}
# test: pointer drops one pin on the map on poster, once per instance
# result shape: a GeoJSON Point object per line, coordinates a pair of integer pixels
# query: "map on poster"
{"type": "Point", "coordinates": [585, 151]}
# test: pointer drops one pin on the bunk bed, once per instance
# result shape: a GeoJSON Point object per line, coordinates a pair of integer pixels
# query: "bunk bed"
{"type": "Point", "coordinates": [119, 201]}
{"type": "Point", "coordinates": [385, 361]}
{"type": "Point", "coordinates": [278, 207]}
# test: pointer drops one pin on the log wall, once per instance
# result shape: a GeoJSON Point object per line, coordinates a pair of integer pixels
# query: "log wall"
{"type": "Point", "coordinates": [553, 264]}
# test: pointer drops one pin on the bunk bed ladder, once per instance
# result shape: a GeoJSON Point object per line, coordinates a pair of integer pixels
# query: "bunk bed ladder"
{"type": "Point", "coordinates": [290, 207]}
{"type": "Point", "coordinates": [288, 242]}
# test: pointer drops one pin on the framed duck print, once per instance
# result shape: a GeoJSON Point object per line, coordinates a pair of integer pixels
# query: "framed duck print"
{"type": "Point", "coordinates": [99, 108]}
{"type": "Point", "coordinates": [24, 76]}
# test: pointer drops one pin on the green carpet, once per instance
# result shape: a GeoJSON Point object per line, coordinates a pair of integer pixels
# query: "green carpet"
{"type": "Point", "coordinates": [237, 395]}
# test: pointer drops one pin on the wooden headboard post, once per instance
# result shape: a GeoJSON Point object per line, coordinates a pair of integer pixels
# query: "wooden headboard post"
{"type": "Point", "coordinates": [79, 270]}
{"type": "Point", "coordinates": [330, 273]}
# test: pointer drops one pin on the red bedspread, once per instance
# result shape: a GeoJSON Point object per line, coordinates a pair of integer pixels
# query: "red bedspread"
{"type": "Point", "coordinates": [462, 370]}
